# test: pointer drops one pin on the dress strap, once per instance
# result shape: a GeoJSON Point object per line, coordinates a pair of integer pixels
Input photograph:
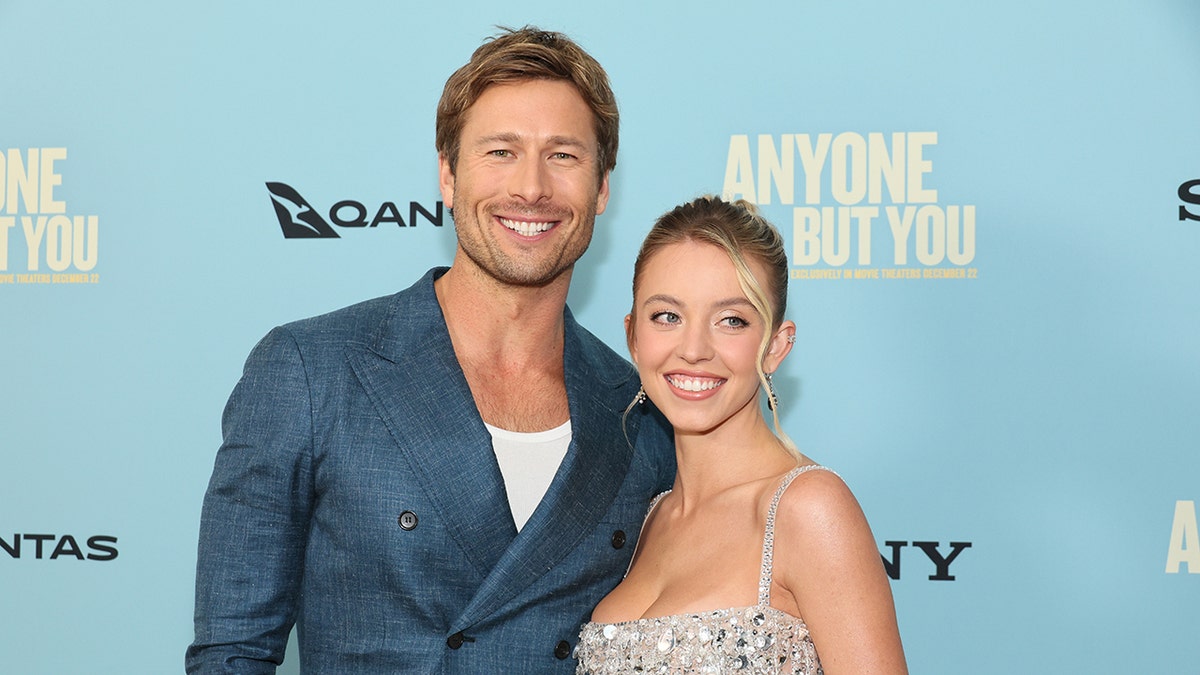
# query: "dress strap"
{"type": "Point", "coordinates": [653, 503]}
{"type": "Point", "coordinates": [768, 553]}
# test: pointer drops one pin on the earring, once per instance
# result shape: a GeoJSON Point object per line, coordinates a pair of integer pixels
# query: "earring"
{"type": "Point", "coordinates": [772, 399]}
{"type": "Point", "coordinates": [791, 339]}
{"type": "Point", "coordinates": [641, 396]}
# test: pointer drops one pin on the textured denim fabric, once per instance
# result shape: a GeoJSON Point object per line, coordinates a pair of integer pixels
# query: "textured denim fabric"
{"type": "Point", "coordinates": [343, 422]}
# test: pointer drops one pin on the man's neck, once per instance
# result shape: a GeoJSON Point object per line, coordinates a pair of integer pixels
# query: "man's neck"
{"type": "Point", "coordinates": [503, 324]}
{"type": "Point", "coordinates": [509, 342]}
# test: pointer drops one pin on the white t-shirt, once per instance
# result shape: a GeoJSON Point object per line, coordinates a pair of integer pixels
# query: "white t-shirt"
{"type": "Point", "coordinates": [528, 462]}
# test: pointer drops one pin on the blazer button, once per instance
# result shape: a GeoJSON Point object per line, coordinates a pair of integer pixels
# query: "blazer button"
{"type": "Point", "coordinates": [618, 539]}
{"type": "Point", "coordinates": [407, 520]}
{"type": "Point", "coordinates": [455, 641]}
{"type": "Point", "coordinates": [562, 650]}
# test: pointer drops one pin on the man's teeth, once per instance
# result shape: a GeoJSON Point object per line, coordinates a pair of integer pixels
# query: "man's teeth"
{"type": "Point", "coordinates": [526, 228]}
{"type": "Point", "coordinates": [694, 383]}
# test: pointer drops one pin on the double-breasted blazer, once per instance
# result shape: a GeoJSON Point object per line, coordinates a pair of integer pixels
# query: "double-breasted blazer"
{"type": "Point", "coordinates": [356, 495]}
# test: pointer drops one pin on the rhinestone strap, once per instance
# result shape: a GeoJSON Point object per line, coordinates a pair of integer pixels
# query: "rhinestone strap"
{"type": "Point", "coordinates": [768, 553]}
{"type": "Point", "coordinates": [653, 503]}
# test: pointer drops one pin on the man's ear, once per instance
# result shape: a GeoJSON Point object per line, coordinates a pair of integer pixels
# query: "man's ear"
{"type": "Point", "coordinates": [446, 180]}
{"type": "Point", "coordinates": [602, 197]}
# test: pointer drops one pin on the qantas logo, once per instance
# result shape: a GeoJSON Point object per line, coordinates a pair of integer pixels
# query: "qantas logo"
{"type": "Point", "coordinates": [296, 215]}
{"type": "Point", "coordinates": [299, 220]}
{"type": "Point", "coordinates": [101, 547]}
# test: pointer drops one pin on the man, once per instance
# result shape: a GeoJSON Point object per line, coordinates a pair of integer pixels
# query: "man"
{"type": "Point", "coordinates": [364, 489]}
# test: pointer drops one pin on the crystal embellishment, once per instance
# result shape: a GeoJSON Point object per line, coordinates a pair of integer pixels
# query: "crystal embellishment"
{"type": "Point", "coordinates": [759, 639]}
{"type": "Point", "coordinates": [666, 642]}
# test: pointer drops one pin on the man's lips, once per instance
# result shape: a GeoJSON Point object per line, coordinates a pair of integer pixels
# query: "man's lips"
{"type": "Point", "coordinates": [527, 228]}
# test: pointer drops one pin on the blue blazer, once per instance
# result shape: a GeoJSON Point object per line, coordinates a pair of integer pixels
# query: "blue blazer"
{"type": "Point", "coordinates": [356, 494]}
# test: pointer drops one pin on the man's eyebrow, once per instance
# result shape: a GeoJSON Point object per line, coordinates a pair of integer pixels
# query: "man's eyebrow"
{"type": "Point", "coordinates": [503, 137]}
{"type": "Point", "coordinates": [511, 137]}
{"type": "Point", "coordinates": [568, 140]}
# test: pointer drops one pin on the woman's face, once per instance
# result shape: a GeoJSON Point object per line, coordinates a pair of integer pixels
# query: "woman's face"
{"type": "Point", "coordinates": [695, 338]}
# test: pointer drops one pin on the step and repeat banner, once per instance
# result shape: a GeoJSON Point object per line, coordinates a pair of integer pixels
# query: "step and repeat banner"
{"type": "Point", "coordinates": [993, 221]}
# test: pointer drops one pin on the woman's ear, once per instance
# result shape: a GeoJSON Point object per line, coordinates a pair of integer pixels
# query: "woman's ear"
{"type": "Point", "coordinates": [780, 346]}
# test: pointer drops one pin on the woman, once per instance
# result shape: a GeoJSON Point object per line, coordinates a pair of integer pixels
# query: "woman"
{"type": "Point", "coordinates": [758, 559]}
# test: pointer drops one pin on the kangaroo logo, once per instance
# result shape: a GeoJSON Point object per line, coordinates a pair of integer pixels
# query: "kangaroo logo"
{"type": "Point", "coordinates": [296, 216]}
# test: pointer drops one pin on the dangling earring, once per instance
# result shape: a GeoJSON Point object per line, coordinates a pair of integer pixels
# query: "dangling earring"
{"type": "Point", "coordinates": [641, 396]}
{"type": "Point", "coordinates": [772, 399]}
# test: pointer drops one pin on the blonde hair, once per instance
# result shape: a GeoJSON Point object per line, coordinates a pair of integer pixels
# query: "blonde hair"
{"type": "Point", "coordinates": [744, 234]}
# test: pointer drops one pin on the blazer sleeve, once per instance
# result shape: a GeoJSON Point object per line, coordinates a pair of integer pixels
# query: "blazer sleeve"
{"type": "Point", "coordinates": [256, 514]}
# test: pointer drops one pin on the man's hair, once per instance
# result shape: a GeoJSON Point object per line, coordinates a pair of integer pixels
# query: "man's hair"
{"type": "Point", "coordinates": [521, 55]}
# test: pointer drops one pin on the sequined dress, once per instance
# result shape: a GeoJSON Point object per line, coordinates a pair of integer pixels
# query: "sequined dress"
{"type": "Point", "coordinates": [756, 639]}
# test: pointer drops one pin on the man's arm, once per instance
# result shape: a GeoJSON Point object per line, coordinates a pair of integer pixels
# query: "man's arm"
{"type": "Point", "coordinates": [255, 521]}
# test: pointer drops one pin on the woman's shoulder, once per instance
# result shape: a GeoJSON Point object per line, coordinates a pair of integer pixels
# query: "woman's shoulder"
{"type": "Point", "coordinates": [817, 500]}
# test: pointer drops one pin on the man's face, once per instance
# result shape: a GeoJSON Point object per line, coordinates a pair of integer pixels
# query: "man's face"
{"type": "Point", "coordinates": [527, 187]}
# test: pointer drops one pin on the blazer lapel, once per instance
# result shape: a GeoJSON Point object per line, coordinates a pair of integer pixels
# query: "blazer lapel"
{"type": "Point", "coordinates": [584, 487]}
{"type": "Point", "coordinates": [410, 373]}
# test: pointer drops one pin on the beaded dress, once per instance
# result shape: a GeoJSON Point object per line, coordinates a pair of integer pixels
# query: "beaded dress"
{"type": "Point", "coordinates": [756, 639]}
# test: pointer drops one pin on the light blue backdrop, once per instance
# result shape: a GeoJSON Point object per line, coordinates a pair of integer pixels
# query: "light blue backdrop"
{"type": "Point", "coordinates": [1043, 409]}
